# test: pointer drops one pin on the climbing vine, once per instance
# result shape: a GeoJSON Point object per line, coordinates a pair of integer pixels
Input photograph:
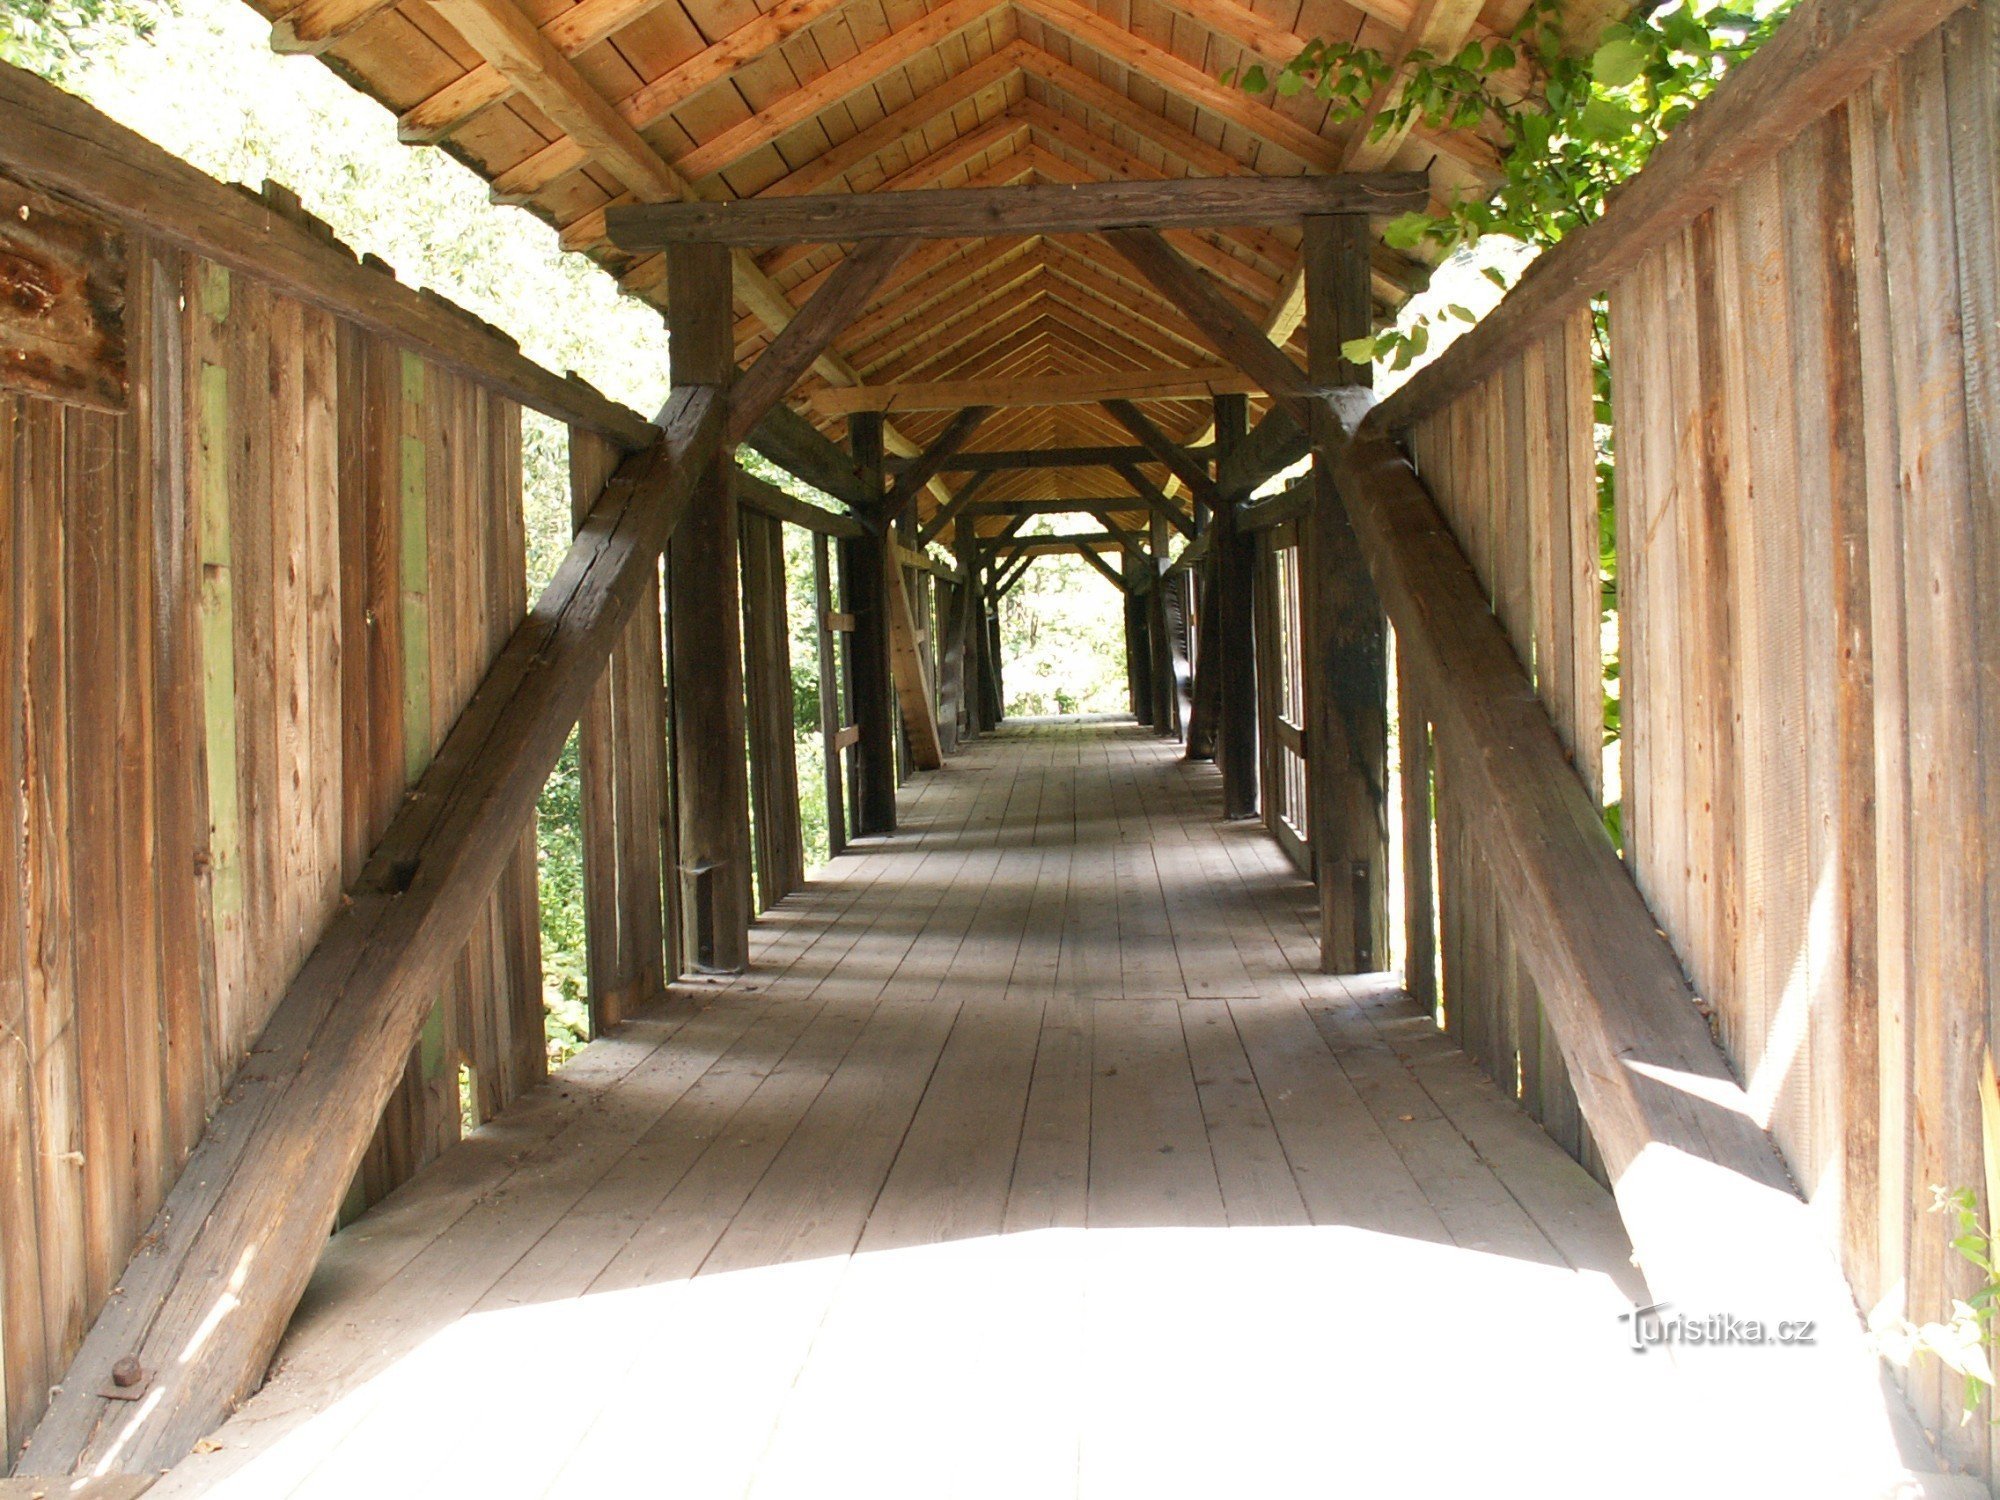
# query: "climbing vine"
{"type": "Point", "coordinates": [1566, 129]}
{"type": "Point", "coordinates": [1961, 1340]}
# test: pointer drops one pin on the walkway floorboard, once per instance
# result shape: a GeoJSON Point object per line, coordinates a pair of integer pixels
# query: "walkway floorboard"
{"type": "Point", "coordinates": [1031, 1159]}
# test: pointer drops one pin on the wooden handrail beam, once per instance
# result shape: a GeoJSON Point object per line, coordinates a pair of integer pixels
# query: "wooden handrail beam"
{"type": "Point", "coordinates": [762, 496]}
{"type": "Point", "coordinates": [58, 142]}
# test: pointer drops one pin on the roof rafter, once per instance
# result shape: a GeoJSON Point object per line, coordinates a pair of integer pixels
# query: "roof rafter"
{"type": "Point", "coordinates": [858, 72]}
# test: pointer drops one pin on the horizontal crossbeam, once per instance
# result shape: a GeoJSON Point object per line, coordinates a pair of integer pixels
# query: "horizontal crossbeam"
{"type": "Point", "coordinates": [1040, 208]}
{"type": "Point", "coordinates": [1197, 384]}
{"type": "Point", "coordinates": [987, 460]}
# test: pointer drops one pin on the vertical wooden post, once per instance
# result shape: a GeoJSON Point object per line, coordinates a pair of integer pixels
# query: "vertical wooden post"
{"type": "Point", "coordinates": [965, 548]}
{"type": "Point", "coordinates": [767, 668]}
{"type": "Point", "coordinates": [996, 687]}
{"type": "Point", "coordinates": [1347, 686]}
{"type": "Point", "coordinates": [1166, 691]}
{"type": "Point", "coordinates": [832, 696]}
{"type": "Point", "coordinates": [710, 772]}
{"type": "Point", "coordinates": [1138, 634]}
{"type": "Point", "coordinates": [1413, 743]}
{"type": "Point", "coordinates": [1205, 649]}
{"type": "Point", "coordinates": [1235, 561]}
{"type": "Point", "coordinates": [868, 601]}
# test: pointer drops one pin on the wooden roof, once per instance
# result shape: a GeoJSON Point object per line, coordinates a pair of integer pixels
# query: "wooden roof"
{"type": "Point", "coordinates": [568, 109]}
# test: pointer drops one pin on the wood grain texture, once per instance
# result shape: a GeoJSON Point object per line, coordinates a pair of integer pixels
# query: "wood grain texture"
{"type": "Point", "coordinates": [337, 1041]}
{"type": "Point", "coordinates": [62, 301]}
{"type": "Point", "coordinates": [1084, 208]}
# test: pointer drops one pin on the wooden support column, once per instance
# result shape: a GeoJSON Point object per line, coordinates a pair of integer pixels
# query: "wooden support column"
{"type": "Point", "coordinates": [1166, 690]}
{"type": "Point", "coordinates": [966, 631]}
{"type": "Point", "coordinates": [1234, 669]}
{"type": "Point", "coordinates": [710, 773]}
{"type": "Point", "coordinates": [865, 564]}
{"type": "Point", "coordinates": [767, 672]}
{"type": "Point", "coordinates": [1347, 684]}
{"type": "Point", "coordinates": [1138, 634]}
{"type": "Point", "coordinates": [1205, 691]}
{"type": "Point", "coordinates": [995, 698]}
{"type": "Point", "coordinates": [1413, 741]}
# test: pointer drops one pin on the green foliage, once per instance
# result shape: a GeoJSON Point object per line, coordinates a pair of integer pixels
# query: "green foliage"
{"type": "Point", "coordinates": [1580, 127]}
{"type": "Point", "coordinates": [803, 630]}
{"type": "Point", "coordinates": [271, 117]}
{"type": "Point", "coordinates": [56, 38]}
{"type": "Point", "coordinates": [1960, 1341]}
{"type": "Point", "coordinates": [559, 871]}
{"type": "Point", "coordinates": [1583, 125]}
{"type": "Point", "coordinates": [153, 66]}
{"type": "Point", "coordinates": [1062, 641]}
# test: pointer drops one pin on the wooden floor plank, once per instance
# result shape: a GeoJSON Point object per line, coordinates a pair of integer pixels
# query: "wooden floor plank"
{"type": "Point", "coordinates": [1028, 1159]}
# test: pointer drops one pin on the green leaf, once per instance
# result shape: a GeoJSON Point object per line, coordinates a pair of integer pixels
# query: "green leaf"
{"type": "Point", "coordinates": [1605, 120]}
{"type": "Point", "coordinates": [1463, 314]}
{"type": "Point", "coordinates": [1359, 351]}
{"type": "Point", "coordinates": [1618, 63]}
{"type": "Point", "coordinates": [1254, 81]}
{"type": "Point", "coordinates": [1405, 230]}
{"type": "Point", "coordinates": [1494, 275]}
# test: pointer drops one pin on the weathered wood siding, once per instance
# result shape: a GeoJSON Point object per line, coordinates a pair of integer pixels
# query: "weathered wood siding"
{"type": "Point", "coordinates": [1806, 412]}
{"type": "Point", "coordinates": [238, 618]}
{"type": "Point", "coordinates": [1512, 465]}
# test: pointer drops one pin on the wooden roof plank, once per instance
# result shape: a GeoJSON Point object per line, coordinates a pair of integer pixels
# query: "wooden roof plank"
{"type": "Point", "coordinates": [856, 73]}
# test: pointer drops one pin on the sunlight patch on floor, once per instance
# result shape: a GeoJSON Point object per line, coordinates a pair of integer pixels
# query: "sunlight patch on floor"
{"type": "Point", "coordinates": [1148, 1362]}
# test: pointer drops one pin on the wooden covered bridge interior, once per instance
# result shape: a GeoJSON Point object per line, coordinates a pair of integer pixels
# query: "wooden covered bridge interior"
{"type": "Point", "coordinates": [1083, 1126]}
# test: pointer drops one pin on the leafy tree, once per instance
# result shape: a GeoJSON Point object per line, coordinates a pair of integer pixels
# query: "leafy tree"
{"type": "Point", "coordinates": [1062, 639]}
{"type": "Point", "coordinates": [58, 37]}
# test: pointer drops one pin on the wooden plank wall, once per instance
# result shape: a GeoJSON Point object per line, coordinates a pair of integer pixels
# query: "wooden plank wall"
{"type": "Point", "coordinates": [1809, 526]}
{"type": "Point", "coordinates": [236, 620]}
{"type": "Point", "coordinates": [631, 911]}
{"type": "Point", "coordinates": [1512, 465]}
{"type": "Point", "coordinates": [1806, 411]}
